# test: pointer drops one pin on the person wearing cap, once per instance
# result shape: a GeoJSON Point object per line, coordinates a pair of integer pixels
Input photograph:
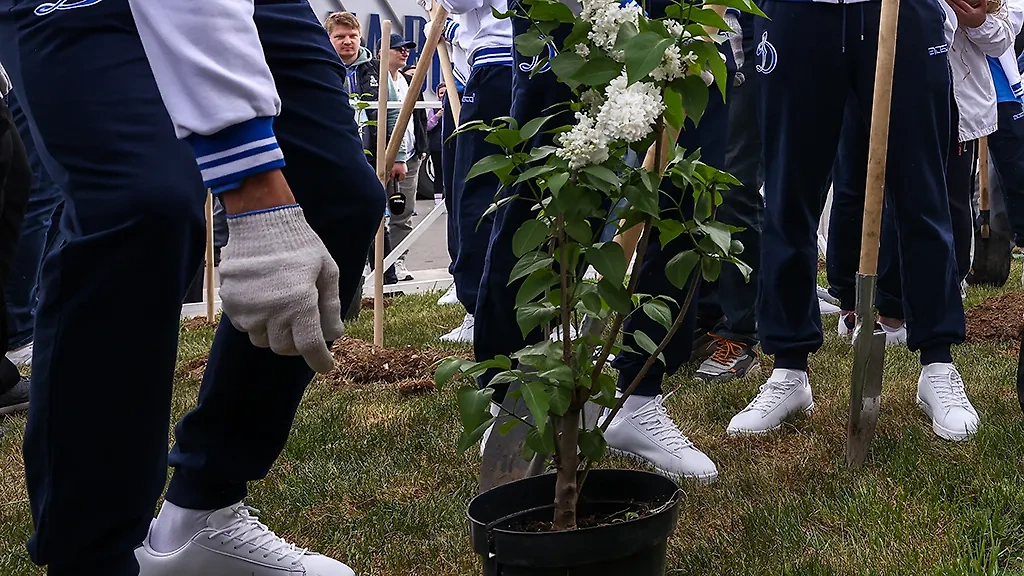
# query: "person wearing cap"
{"type": "Point", "coordinates": [487, 96]}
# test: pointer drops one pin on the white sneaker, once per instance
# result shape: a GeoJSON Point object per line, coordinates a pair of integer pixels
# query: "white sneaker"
{"type": "Point", "coordinates": [556, 334]}
{"type": "Point", "coordinates": [826, 308]}
{"type": "Point", "coordinates": [450, 297]}
{"type": "Point", "coordinates": [21, 356]}
{"type": "Point", "coordinates": [235, 543]}
{"type": "Point", "coordinates": [402, 272]}
{"type": "Point", "coordinates": [787, 392]}
{"type": "Point", "coordinates": [940, 393]}
{"type": "Point", "coordinates": [463, 334]}
{"type": "Point", "coordinates": [847, 322]}
{"type": "Point", "coordinates": [649, 435]}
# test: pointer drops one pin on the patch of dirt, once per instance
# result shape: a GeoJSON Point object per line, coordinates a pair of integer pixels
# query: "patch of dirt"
{"type": "Point", "coordinates": [194, 368]}
{"type": "Point", "coordinates": [361, 363]}
{"type": "Point", "coordinates": [633, 511]}
{"type": "Point", "coordinates": [416, 387]}
{"type": "Point", "coordinates": [998, 319]}
{"type": "Point", "coordinates": [367, 303]}
{"type": "Point", "coordinates": [199, 322]}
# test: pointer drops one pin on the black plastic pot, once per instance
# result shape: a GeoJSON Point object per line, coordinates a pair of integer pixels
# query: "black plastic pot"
{"type": "Point", "coordinates": [633, 548]}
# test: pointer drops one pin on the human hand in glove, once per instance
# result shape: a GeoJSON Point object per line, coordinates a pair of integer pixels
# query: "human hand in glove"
{"type": "Point", "coordinates": [279, 283]}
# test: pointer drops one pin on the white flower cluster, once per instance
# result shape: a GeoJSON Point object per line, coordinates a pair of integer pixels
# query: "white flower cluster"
{"type": "Point", "coordinates": [628, 114]}
{"type": "Point", "coordinates": [605, 17]}
{"type": "Point", "coordinates": [675, 28]}
{"type": "Point", "coordinates": [672, 65]}
{"type": "Point", "coordinates": [582, 49]}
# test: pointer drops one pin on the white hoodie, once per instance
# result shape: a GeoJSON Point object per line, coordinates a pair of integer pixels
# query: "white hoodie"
{"type": "Point", "coordinates": [490, 38]}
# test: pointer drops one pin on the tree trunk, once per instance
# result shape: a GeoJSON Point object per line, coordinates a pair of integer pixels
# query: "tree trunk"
{"type": "Point", "coordinates": [566, 492]}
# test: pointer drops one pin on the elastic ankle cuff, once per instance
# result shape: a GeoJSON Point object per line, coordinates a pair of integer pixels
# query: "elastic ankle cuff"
{"type": "Point", "coordinates": [791, 361]}
{"type": "Point", "coordinates": [936, 354]}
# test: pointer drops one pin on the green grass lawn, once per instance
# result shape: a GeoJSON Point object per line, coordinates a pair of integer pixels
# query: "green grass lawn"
{"type": "Point", "coordinates": [372, 477]}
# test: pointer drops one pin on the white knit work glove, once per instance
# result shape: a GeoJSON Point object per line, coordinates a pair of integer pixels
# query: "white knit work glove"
{"type": "Point", "coordinates": [279, 285]}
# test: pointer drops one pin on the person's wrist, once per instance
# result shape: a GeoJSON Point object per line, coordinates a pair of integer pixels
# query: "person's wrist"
{"type": "Point", "coordinates": [259, 192]}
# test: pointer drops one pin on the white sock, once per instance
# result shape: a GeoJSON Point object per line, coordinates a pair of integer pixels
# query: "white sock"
{"type": "Point", "coordinates": [175, 526]}
{"type": "Point", "coordinates": [634, 403]}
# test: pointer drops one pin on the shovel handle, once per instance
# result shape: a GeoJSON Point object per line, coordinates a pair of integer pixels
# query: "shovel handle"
{"type": "Point", "coordinates": [879, 140]}
{"type": "Point", "coordinates": [983, 201]}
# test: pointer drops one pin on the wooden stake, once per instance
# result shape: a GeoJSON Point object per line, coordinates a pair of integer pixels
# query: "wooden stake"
{"type": "Point", "coordinates": [383, 173]}
{"type": "Point", "coordinates": [209, 256]}
{"type": "Point", "coordinates": [449, 81]}
{"type": "Point", "coordinates": [629, 239]}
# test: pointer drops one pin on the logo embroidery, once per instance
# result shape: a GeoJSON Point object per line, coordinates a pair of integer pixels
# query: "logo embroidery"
{"type": "Point", "coordinates": [1018, 115]}
{"type": "Point", "coordinates": [469, 98]}
{"type": "Point", "coordinates": [528, 67]}
{"type": "Point", "coordinates": [768, 55]}
{"type": "Point", "coordinates": [50, 7]}
{"type": "Point", "coordinates": [937, 50]}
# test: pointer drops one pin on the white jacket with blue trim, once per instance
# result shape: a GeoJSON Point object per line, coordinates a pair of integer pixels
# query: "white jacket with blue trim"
{"type": "Point", "coordinates": [215, 83]}
{"type": "Point", "coordinates": [490, 38]}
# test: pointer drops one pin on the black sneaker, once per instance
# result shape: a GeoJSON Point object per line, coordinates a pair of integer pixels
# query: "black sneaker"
{"type": "Point", "coordinates": [730, 361]}
{"type": "Point", "coordinates": [15, 399]}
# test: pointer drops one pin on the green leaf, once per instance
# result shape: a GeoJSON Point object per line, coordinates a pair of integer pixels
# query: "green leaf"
{"type": "Point", "coordinates": [489, 164]}
{"type": "Point", "coordinates": [535, 284]}
{"type": "Point", "coordinates": [560, 399]}
{"type": "Point", "coordinates": [530, 235]}
{"type": "Point", "coordinates": [533, 315]}
{"type": "Point", "coordinates": [474, 406]}
{"type": "Point", "coordinates": [541, 443]}
{"type": "Point", "coordinates": [468, 438]}
{"type": "Point", "coordinates": [615, 296]}
{"type": "Point", "coordinates": [627, 30]}
{"type": "Point", "coordinates": [736, 247]}
{"type": "Point", "coordinates": [507, 427]}
{"type": "Point", "coordinates": [540, 152]}
{"type": "Point", "coordinates": [534, 172]}
{"type": "Point", "coordinates": [659, 312]}
{"type": "Point", "coordinates": [648, 345]}
{"type": "Point", "coordinates": [642, 200]}
{"type": "Point", "coordinates": [604, 174]}
{"type": "Point", "coordinates": [702, 208]}
{"type": "Point", "coordinates": [592, 444]}
{"type": "Point", "coordinates": [555, 182]}
{"type": "Point", "coordinates": [748, 6]}
{"type": "Point", "coordinates": [528, 263]}
{"type": "Point", "coordinates": [710, 268]}
{"type": "Point", "coordinates": [536, 397]}
{"type": "Point", "coordinates": [719, 233]}
{"type": "Point", "coordinates": [530, 44]}
{"type": "Point", "coordinates": [668, 230]}
{"type": "Point", "coordinates": [566, 65]}
{"type": "Point", "coordinates": [502, 15]}
{"type": "Point", "coordinates": [598, 70]}
{"type": "Point", "coordinates": [505, 138]}
{"type": "Point", "coordinates": [580, 231]}
{"type": "Point", "coordinates": [531, 128]}
{"type": "Point", "coordinates": [644, 52]}
{"type": "Point", "coordinates": [679, 268]}
{"type": "Point", "coordinates": [606, 396]}
{"type": "Point", "coordinates": [560, 375]}
{"type": "Point", "coordinates": [506, 377]}
{"type": "Point", "coordinates": [592, 303]}
{"type": "Point", "coordinates": [745, 270]}
{"type": "Point", "coordinates": [708, 17]}
{"type": "Point", "coordinates": [551, 11]}
{"type": "Point", "coordinates": [608, 259]}
{"type": "Point", "coordinates": [448, 368]}
{"type": "Point", "coordinates": [694, 96]}
{"type": "Point", "coordinates": [675, 115]}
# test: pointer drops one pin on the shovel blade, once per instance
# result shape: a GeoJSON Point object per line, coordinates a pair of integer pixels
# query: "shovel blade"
{"type": "Point", "coordinates": [866, 381]}
{"type": "Point", "coordinates": [992, 255]}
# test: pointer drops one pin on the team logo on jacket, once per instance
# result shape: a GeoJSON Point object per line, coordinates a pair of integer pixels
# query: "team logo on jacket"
{"type": "Point", "coordinates": [50, 7]}
{"type": "Point", "coordinates": [768, 56]}
{"type": "Point", "coordinates": [534, 63]}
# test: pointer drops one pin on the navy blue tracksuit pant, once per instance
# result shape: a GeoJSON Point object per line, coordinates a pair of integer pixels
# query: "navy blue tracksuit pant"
{"type": "Point", "coordinates": [488, 95]}
{"type": "Point", "coordinates": [1006, 148]}
{"type": "Point", "coordinates": [808, 81]}
{"type": "Point", "coordinates": [96, 450]}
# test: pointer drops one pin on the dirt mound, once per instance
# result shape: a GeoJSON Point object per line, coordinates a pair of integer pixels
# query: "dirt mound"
{"type": "Point", "coordinates": [998, 319]}
{"type": "Point", "coordinates": [199, 322]}
{"type": "Point", "coordinates": [367, 303]}
{"type": "Point", "coordinates": [194, 368]}
{"type": "Point", "coordinates": [360, 363]}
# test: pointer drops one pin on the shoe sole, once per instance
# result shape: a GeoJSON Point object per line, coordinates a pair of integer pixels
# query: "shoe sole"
{"type": "Point", "coordinates": [938, 429]}
{"type": "Point", "coordinates": [13, 408]}
{"type": "Point", "coordinates": [741, 432]}
{"type": "Point", "coordinates": [717, 378]}
{"type": "Point", "coordinates": [702, 479]}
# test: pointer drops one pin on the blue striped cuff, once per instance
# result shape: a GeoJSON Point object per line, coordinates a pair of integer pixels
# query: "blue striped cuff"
{"type": "Point", "coordinates": [450, 27]}
{"type": "Point", "coordinates": [491, 57]}
{"type": "Point", "coordinates": [1017, 89]}
{"type": "Point", "coordinates": [233, 154]}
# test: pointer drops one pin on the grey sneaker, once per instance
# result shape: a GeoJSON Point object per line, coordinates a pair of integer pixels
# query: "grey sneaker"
{"type": "Point", "coordinates": [729, 361]}
{"type": "Point", "coordinates": [15, 399]}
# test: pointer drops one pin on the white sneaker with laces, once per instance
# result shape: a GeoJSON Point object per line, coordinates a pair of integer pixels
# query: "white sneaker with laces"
{"type": "Point", "coordinates": [941, 394]}
{"type": "Point", "coordinates": [21, 356]}
{"type": "Point", "coordinates": [463, 334]}
{"type": "Point", "coordinates": [402, 272]}
{"type": "Point", "coordinates": [787, 392]}
{"type": "Point", "coordinates": [235, 543]}
{"type": "Point", "coordinates": [648, 434]}
{"type": "Point", "coordinates": [450, 297]}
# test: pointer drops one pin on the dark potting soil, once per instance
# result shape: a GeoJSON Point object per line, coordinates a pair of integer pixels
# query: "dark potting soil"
{"type": "Point", "coordinates": [360, 363]}
{"type": "Point", "coordinates": [588, 515]}
{"type": "Point", "coordinates": [998, 319]}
